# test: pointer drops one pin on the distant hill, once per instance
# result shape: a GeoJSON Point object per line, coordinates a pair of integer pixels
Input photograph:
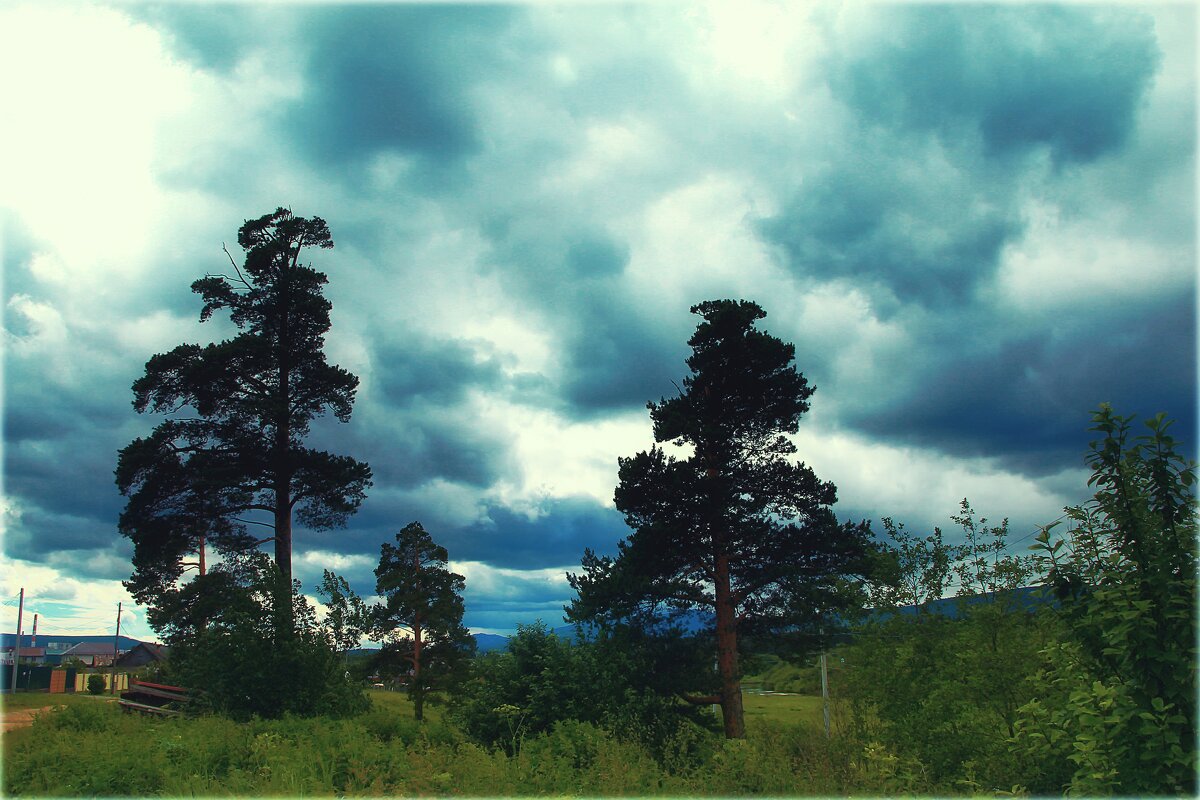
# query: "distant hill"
{"type": "Point", "coordinates": [57, 642]}
{"type": "Point", "coordinates": [486, 642]}
{"type": "Point", "coordinates": [1027, 597]}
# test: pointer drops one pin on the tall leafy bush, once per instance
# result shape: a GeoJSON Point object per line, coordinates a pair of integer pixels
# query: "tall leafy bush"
{"type": "Point", "coordinates": [1117, 705]}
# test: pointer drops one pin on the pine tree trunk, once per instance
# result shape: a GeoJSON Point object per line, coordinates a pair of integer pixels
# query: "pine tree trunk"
{"type": "Point", "coordinates": [418, 692]}
{"type": "Point", "coordinates": [727, 654]}
{"type": "Point", "coordinates": [283, 474]}
{"type": "Point", "coordinates": [283, 559]}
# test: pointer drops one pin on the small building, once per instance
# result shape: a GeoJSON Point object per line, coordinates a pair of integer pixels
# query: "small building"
{"type": "Point", "coordinates": [144, 653]}
{"type": "Point", "coordinates": [92, 654]}
{"type": "Point", "coordinates": [28, 655]}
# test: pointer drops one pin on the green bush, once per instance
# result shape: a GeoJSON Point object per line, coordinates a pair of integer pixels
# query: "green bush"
{"type": "Point", "coordinates": [84, 717]}
{"type": "Point", "coordinates": [1116, 706]}
{"type": "Point", "coordinates": [72, 753]}
{"type": "Point", "coordinates": [543, 680]}
{"type": "Point", "coordinates": [95, 684]}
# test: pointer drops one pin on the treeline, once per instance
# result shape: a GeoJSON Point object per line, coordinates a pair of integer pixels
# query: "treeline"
{"type": "Point", "coordinates": [1093, 693]}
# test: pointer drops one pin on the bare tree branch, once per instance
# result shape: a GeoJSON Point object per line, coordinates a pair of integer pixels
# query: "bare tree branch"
{"type": "Point", "coordinates": [241, 277]}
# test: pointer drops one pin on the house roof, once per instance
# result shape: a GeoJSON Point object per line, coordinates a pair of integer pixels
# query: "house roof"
{"type": "Point", "coordinates": [158, 652]}
{"type": "Point", "coordinates": [90, 649]}
{"type": "Point", "coordinates": [30, 652]}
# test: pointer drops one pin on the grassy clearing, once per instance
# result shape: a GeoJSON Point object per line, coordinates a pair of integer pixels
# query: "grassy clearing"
{"type": "Point", "coordinates": [21, 700]}
{"type": "Point", "coordinates": [384, 752]}
{"type": "Point", "coordinates": [785, 709]}
{"type": "Point", "coordinates": [398, 703]}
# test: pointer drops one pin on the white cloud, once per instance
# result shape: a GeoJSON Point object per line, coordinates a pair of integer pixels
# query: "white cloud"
{"type": "Point", "coordinates": [697, 242]}
{"type": "Point", "coordinates": [496, 583]}
{"type": "Point", "coordinates": [337, 562]}
{"type": "Point", "coordinates": [80, 110]}
{"type": "Point", "coordinates": [66, 604]}
{"type": "Point", "coordinates": [1065, 261]}
{"type": "Point", "coordinates": [925, 486]}
{"type": "Point", "coordinates": [559, 458]}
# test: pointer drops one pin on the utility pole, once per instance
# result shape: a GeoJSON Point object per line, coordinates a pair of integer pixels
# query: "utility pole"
{"type": "Point", "coordinates": [825, 693]}
{"type": "Point", "coordinates": [17, 646]}
{"type": "Point", "coordinates": [112, 680]}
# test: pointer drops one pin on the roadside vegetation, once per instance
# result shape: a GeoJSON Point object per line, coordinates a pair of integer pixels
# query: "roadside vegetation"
{"type": "Point", "coordinates": [384, 751]}
{"type": "Point", "coordinates": [947, 674]}
{"type": "Point", "coordinates": [1000, 697]}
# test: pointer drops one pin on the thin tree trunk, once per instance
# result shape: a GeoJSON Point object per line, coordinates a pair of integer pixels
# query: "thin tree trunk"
{"type": "Point", "coordinates": [418, 694]}
{"type": "Point", "coordinates": [727, 655]}
{"type": "Point", "coordinates": [282, 446]}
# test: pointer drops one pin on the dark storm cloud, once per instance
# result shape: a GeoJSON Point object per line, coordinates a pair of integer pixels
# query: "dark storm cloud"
{"type": "Point", "coordinates": [42, 533]}
{"type": "Point", "coordinates": [417, 394]}
{"type": "Point", "coordinates": [616, 357]}
{"type": "Point", "coordinates": [511, 539]}
{"type": "Point", "coordinates": [213, 37]}
{"type": "Point", "coordinates": [502, 537]}
{"type": "Point", "coordinates": [1063, 78]}
{"type": "Point", "coordinates": [921, 235]}
{"type": "Point", "coordinates": [597, 256]}
{"type": "Point", "coordinates": [408, 448]}
{"type": "Point", "coordinates": [419, 370]}
{"type": "Point", "coordinates": [619, 362]}
{"type": "Point", "coordinates": [953, 110]}
{"type": "Point", "coordinates": [924, 197]}
{"type": "Point", "coordinates": [57, 479]}
{"type": "Point", "coordinates": [385, 78]}
{"type": "Point", "coordinates": [1028, 400]}
{"type": "Point", "coordinates": [506, 615]}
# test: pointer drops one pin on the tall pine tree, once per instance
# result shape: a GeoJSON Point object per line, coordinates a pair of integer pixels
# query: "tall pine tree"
{"type": "Point", "coordinates": [736, 529]}
{"type": "Point", "coordinates": [420, 619]}
{"type": "Point", "coordinates": [231, 453]}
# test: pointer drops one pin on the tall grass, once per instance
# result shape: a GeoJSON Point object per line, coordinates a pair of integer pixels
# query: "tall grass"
{"type": "Point", "coordinates": [94, 749]}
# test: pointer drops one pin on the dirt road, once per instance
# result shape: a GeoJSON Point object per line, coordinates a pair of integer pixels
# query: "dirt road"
{"type": "Point", "coordinates": [21, 717]}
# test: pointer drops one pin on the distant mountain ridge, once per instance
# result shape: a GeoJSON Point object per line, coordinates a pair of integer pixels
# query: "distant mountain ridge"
{"type": "Point", "coordinates": [1026, 597]}
{"type": "Point", "coordinates": [64, 641]}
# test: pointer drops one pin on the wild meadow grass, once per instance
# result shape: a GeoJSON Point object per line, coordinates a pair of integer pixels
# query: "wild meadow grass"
{"type": "Point", "coordinates": [92, 748]}
{"type": "Point", "coordinates": [21, 700]}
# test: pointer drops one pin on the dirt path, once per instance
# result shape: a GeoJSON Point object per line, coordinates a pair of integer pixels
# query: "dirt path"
{"type": "Point", "coordinates": [21, 717]}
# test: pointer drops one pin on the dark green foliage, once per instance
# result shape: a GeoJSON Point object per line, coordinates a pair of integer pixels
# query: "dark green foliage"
{"type": "Point", "coordinates": [943, 693]}
{"type": "Point", "coordinates": [420, 619]}
{"type": "Point", "coordinates": [737, 529]}
{"type": "Point", "coordinates": [349, 619]}
{"type": "Point", "coordinates": [231, 453]}
{"type": "Point", "coordinates": [543, 680]}
{"type": "Point", "coordinates": [772, 674]}
{"type": "Point", "coordinates": [95, 684]}
{"type": "Point", "coordinates": [1116, 711]}
{"type": "Point", "coordinates": [92, 750]}
{"type": "Point", "coordinates": [244, 663]}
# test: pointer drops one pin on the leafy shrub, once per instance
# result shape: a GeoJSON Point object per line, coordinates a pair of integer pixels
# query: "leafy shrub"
{"type": "Point", "coordinates": [1117, 701]}
{"type": "Point", "coordinates": [72, 753]}
{"type": "Point", "coordinates": [95, 684]}
{"type": "Point", "coordinates": [83, 717]}
{"type": "Point", "coordinates": [248, 660]}
{"type": "Point", "coordinates": [542, 680]}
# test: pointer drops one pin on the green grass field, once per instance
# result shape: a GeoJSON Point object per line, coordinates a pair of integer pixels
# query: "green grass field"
{"type": "Point", "coordinates": [42, 699]}
{"type": "Point", "coordinates": [383, 752]}
{"type": "Point", "coordinates": [784, 708]}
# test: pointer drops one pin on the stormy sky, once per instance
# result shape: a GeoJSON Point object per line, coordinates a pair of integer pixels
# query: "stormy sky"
{"type": "Point", "coordinates": [976, 223]}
